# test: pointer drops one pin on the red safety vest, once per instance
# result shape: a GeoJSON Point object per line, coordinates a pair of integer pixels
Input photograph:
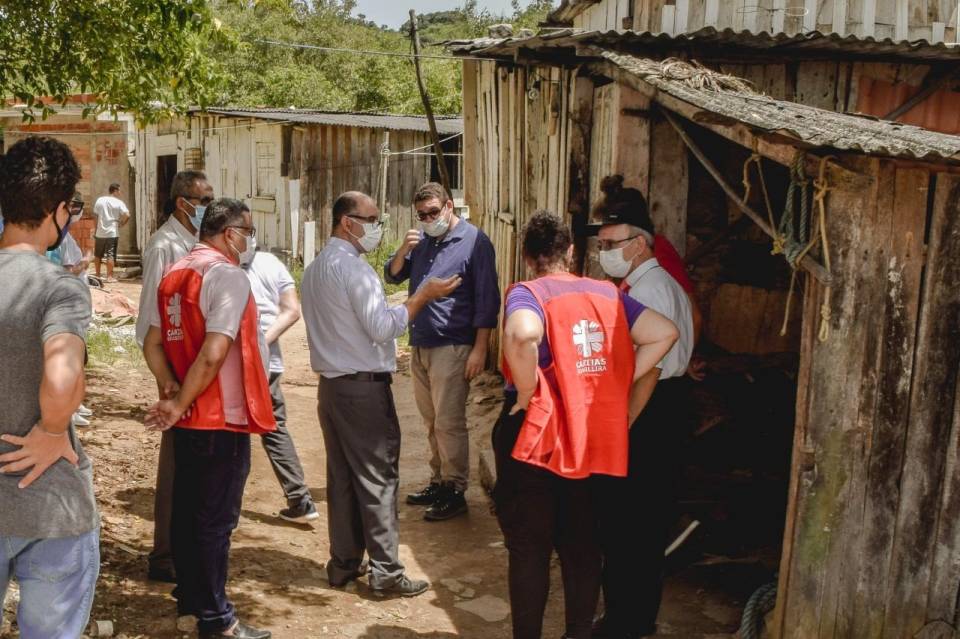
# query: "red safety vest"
{"type": "Point", "coordinates": [576, 423]}
{"type": "Point", "coordinates": [184, 328]}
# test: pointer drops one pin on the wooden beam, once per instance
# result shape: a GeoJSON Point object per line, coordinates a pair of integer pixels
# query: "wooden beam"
{"type": "Point", "coordinates": [807, 263]}
{"type": "Point", "coordinates": [931, 84]}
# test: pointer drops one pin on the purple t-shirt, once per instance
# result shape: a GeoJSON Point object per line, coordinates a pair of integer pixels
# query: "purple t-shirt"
{"type": "Point", "coordinates": [520, 297]}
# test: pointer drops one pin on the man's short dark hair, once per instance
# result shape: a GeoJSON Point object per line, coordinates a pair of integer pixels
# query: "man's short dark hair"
{"type": "Point", "coordinates": [114, 187]}
{"type": "Point", "coordinates": [220, 214]}
{"type": "Point", "coordinates": [546, 239]}
{"type": "Point", "coordinates": [429, 191]}
{"type": "Point", "coordinates": [36, 175]}
{"type": "Point", "coordinates": [346, 204]}
{"type": "Point", "coordinates": [183, 183]}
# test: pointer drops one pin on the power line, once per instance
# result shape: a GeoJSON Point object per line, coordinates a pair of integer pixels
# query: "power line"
{"type": "Point", "coordinates": [391, 54]}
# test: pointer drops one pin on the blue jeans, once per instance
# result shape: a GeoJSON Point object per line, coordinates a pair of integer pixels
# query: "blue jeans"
{"type": "Point", "coordinates": [57, 578]}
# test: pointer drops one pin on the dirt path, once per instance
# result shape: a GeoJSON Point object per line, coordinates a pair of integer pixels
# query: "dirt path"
{"type": "Point", "coordinates": [277, 576]}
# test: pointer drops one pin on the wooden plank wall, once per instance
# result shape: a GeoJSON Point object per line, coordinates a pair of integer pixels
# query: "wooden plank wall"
{"type": "Point", "coordinates": [932, 20]}
{"type": "Point", "coordinates": [872, 547]}
{"type": "Point", "coordinates": [334, 159]}
{"type": "Point", "coordinates": [517, 133]}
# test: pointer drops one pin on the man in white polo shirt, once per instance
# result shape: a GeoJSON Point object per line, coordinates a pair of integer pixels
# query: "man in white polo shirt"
{"type": "Point", "coordinates": [112, 213]}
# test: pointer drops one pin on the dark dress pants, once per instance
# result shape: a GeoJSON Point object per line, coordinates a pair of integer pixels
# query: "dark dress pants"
{"type": "Point", "coordinates": [635, 512]}
{"type": "Point", "coordinates": [281, 451]}
{"type": "Point", "coordinates": [211, 472]}
{"type": "Point", "coordinates": [539, 512]}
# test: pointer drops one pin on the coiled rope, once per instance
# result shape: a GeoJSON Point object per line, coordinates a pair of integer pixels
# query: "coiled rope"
{"type": "Point", "coordinates": [760, 603]}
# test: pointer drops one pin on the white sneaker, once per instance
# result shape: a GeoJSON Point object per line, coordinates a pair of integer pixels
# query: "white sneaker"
{"type": "Point", "coordinates": [83, 411]}
{"type": "Point", "coordinates": [80, 420]}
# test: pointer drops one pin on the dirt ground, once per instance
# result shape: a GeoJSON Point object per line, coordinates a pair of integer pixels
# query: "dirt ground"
{"type": "Point", "coordinates": [277, 576]}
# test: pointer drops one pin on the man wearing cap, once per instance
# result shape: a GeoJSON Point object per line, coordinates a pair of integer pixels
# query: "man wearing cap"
{"type": "Point", "coordinates": [633, 539]}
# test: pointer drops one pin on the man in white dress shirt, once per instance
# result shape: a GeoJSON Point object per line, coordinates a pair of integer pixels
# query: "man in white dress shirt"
{"type": "Point", "coordinates": [191, 193]}
{"type": "Point", "coordinates": [352, 336]}
{"type": "Point", "coordinates": [635, 511]}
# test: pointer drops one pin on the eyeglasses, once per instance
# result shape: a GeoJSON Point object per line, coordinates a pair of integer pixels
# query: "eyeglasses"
{"type": "Point", "coordinates": [379, 221]}
{"type": "Point", "coordinates": [205, 200]}
{"type": "Point", "coordinates": [249, 229]}
{"type": "Point", "coordinates": [606, 245]}
{"type": "Point", "coordinates": [432, 214]}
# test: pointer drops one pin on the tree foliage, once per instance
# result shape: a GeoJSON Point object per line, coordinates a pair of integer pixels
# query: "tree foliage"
{"type": "Point", "coordinates": [155, 58]}
{"type": "Point", "coordinates": [263, 74]}
{"type": "Point", "coordinates": [148, 57]}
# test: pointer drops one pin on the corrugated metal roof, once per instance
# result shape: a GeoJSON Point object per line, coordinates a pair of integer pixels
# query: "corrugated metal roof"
{"type": "Point", "coordinates": [446, 125]}
{"type": "Point", "coordinates": [709, 40]}
{"type": "Point", "coordinates": [813, 126]}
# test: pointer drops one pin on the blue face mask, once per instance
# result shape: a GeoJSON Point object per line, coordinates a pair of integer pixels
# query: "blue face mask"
{"type": "Point", "coordinates": [197, 218]}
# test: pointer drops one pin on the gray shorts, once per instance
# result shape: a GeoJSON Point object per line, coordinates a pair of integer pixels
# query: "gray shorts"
{"type": "Point", "coordinates": [105, 248]}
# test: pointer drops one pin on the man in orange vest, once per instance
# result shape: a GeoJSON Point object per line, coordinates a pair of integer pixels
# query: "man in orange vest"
{"type": "Point", "coordinates": [208, 355]}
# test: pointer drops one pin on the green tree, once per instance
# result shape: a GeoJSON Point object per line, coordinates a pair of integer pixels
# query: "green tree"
{"type": "Point", "coordinates": [271, 75]}
{"type": "Point", "coordinates": [148, 57]}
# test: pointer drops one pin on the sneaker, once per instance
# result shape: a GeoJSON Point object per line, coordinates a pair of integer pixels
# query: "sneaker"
{"type": "Point", "coordinates": [83, 411]}
{"type": "Point", "coordinates": [448, 505]}
{"type": "Point", "coordinates": [404, 587]}
{"type": "Point", "coordinates": [240, 631]}
{"type": "Point", "coordinates": [302, 513]}
{"type": "Point", "coordinates": [425, 497]}
{"type": "Point", "coordinates": [80, 420]}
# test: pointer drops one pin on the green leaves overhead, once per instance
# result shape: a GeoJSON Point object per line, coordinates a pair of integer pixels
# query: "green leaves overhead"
{"type": "Point", "coordinates": [148, 57]}
{"type": "Point", "coordinates": [156, 58]}
{"type": "Point", "coordinates": [273, 76]}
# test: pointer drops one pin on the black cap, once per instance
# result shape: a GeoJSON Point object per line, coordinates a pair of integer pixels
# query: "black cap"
{"type": "Point", "coordinates": [635, 215]}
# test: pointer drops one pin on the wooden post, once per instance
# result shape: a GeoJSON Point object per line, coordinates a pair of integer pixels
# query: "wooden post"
{"type": "Point", "coordinates": [442, 165]}
{"type": "Point", "coordinates": [384, 167]}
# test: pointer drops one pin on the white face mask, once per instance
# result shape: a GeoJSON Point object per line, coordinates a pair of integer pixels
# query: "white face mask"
{"type": "Point", "coordinates": [613, 263]}
{"type": "Point", "coordinates": [370, 239]}
{"type": "Point", "coordinates": [439, 226]}
{"type": "Point", "coordinates": [246, 257]}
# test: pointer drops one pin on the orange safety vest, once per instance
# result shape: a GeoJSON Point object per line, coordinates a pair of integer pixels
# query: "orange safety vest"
{"type": "Point", "coordinates": [576, 423]}
{"type": "Point", "coordinates": [184, 328]}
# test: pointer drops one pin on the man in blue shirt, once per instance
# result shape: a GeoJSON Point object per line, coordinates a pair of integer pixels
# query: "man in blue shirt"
{"type": "Point", "coordinates": [449, 338]}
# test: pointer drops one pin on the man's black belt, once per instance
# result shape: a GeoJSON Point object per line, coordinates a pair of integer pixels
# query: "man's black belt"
{"type": "Point", "coordinates": [369, 377]}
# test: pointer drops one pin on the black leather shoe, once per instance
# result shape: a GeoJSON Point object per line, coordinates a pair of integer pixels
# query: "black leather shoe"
{"type": "Point", "coordinates": [162, 574]}
{"type": "Point", "coordinates": [426, 496]}
{"type": "Point", "coordinates": [404, 587]}
{"type": "Point", "coordinates": [359, 572]}
{"type": "Point", "coordinates": [240, 631]}
{"type": "Point", "coordinates": [449, 504]}
{"type": "Point", "coordinates": [604, 630]}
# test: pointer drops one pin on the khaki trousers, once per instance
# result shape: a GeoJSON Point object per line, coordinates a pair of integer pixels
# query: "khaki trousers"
{"type": "Point", "coordinates": [440, 390]}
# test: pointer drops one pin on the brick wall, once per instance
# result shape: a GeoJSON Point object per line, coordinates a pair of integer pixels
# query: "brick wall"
{"type": "Point", "coordinates": [82, 232]}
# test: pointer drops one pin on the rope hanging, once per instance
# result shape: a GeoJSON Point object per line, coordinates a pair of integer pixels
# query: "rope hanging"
{"type": "Point", "coordinates": [821, 187]}
{"type": "Point", "coordinates": [793, 238]}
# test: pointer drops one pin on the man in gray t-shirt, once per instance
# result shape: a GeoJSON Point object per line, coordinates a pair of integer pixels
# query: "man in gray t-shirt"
{"type": "Point", "coordinates": [49, 527]}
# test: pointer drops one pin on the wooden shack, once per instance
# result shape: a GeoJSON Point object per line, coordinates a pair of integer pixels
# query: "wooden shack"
{"type": "Point", "coordinates": [289, 165]}
{"type": "Point", "coordinates": [869, 544]}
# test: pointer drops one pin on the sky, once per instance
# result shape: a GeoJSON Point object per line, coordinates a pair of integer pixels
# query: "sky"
{"type": "Point", "coordinates": [393, 13]}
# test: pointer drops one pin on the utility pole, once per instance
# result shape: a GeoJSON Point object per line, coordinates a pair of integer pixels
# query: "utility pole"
{"type": "Point", "coordinates": [441, 163]}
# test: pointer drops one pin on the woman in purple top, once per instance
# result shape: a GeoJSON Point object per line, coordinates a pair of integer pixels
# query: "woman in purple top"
{"type": "Point", "coordinates": [540, 511]}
